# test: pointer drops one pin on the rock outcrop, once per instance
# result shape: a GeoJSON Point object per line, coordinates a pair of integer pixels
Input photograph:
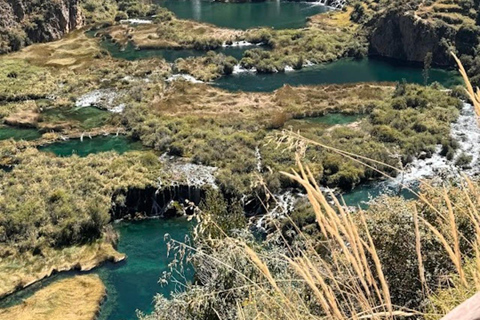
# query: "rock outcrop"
{"type": "Point", "coordinates": [404, 36]}
{"type": "Point", "coordinates": [23, 22]}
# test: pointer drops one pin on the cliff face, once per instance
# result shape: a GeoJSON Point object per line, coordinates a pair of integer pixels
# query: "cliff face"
{"type": "Point", "coordinates": [406, 37]}
{"type": "Point", "coordinates": [27, 21]}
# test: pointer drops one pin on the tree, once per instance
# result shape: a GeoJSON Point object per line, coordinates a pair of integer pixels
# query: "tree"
{"type": "Point", "coordinates": [427, 65]}
{"type": "Point", "coordinates": [226, 216]}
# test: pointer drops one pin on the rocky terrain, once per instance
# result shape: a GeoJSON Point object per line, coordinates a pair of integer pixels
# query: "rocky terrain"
{"type": "Point", "coordinates": [408, 31]}
{"type": "Point", "coordinates": [24, 22]}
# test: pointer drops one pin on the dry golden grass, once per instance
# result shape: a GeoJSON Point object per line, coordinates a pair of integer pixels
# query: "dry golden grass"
{"type": "Point", "coordinates": [77, 298]}
{"type": "Point", "coordinates": [20, 271]}
{"type": "Point", "coordinates": [472, 94]}
{"type": "Point", "coordinates": [202, 100]}
{"type": "Point", "coordinates": [351, 284]}
{"type": "Point", "coordinates": [445, 11]}
{"type": "Point", "coordinates": [75, 51]}
{"type": "Point", "coordinates": [24, 114]}
{"type": "Point", "coordinates": [340, 19]}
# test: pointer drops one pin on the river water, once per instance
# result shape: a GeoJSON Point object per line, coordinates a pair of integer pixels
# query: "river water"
{"type": "Point", "coordinates": [276, 14]}
{"type": "Point", "coordinates": [15, 133]}
{"type": "Point", "coordinates": [88, 146]}
{"type": "Point", "coordinates": [339, 72]}
{"type": "Point", "coordinates": [131, 53]}
{"type": "Point", "coordinates": [132, 284]}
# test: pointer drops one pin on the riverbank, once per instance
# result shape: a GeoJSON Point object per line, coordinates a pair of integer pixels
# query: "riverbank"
{"type": "Point", "coordinates": [77, 298]}
{"type": "Point", "coordinates": [19, 271]}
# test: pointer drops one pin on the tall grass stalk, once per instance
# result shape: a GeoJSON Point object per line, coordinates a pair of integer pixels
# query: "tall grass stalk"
{"type": "Point", "coordinates": [364, 291]}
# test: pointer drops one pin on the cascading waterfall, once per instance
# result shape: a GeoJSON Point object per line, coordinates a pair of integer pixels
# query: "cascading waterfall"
{"type": "Point", "coordinates": [185, 77]}
{"type": "Point", "coordinates": [336, 4]}
{"type": "Point", "coordinates": [284, 204]}
{"type": "Point", "coordinates": [193, 174]}
{"type": "Point", "coordinates": [258, 156]}
{"type": "Point", "coordinates": [466, 132]}
{"type": "Point", "coordinates": [181, 193]}
{"type": "Point", "coordinates": [102, 98]}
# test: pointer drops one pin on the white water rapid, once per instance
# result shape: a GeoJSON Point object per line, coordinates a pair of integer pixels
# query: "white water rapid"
{"type": "Point", "coordinates": [466, 131]}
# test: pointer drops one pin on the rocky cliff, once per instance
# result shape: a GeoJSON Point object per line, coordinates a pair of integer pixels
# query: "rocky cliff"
{"type": "Point", "coordinates": [403, 35]}
{"type": "Point", "coordinates": [27, 21]}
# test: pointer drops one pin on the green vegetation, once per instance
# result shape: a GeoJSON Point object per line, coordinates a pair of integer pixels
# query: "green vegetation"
{"type": "Point", "coordinates": [206, 68]}
{"type": "Point", "coordinates": [170, 32]}
{"type": "Point", "coordinates": [20, 81]}
{"type": "Point", "coordinates": [102, 12]}
{"type": "Point", "coordinates": [225, 130]}
{"type": "Point", "coordinates": [56, 212]}
{"type": "Point", "coordinates": [327, 38]}
{"type": "Point", "coordinates": [408, 248]}
{"type": "Point", "coordinates": [56, 202]}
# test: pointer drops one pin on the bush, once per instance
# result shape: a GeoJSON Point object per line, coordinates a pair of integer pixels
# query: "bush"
{"type": "Point", "coordinates": [358, 13]}
{"type": "Point", "coordinates": [121, 16]}
{"type": "Point", "coordinates": [385, 133]}
{"type": "Point", "coordinates": [463, 160]}
{"type": "Point", "coordinates": [278, 120]}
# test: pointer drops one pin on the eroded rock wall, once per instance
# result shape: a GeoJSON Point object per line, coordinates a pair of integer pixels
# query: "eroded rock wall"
{"type": "Point", "coordinates": [403, 36]}
{"type": "Point", "coordinates": [23, 22]}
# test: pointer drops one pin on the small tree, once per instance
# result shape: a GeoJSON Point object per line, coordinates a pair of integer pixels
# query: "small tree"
{"type": "Point", "coordinates": [427, 65]}
{"type": "Point", "coordinates": [224, 216]}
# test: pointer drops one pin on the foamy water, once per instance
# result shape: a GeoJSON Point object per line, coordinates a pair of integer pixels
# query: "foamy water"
{"type": "Point", "coordinates": [185, 77]}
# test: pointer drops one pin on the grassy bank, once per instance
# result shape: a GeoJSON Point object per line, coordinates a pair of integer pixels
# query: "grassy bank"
{"type": "Point", "coordinates": [169, 32]}
{"type": "Point", "coordinates": [78, 298]}
{"type": "Point", "coordinates": [20, 270]}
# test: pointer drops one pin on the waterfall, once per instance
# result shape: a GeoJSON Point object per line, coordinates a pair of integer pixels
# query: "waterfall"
{"type": "Point", "coordinates": [467, 133]}
{"type": "Point", "coordinates": [239, 69]}
{"type": "Point", "coordinates": [197, 9]}
{"type": "Point", "coordinates": [189, 173]}
{"type": "Point", "coordinates": [241, 43]}
{"type": "Point", "coordinates": [335, 4]}
{"type": "Point", "coordinates": [101, 98]}
{"type": "Point", "coordinates": [284, 204]}
{"type": "Point", "coordinates": [185, 77]}
{"type": "Point", "coordinates": [136, 21]}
